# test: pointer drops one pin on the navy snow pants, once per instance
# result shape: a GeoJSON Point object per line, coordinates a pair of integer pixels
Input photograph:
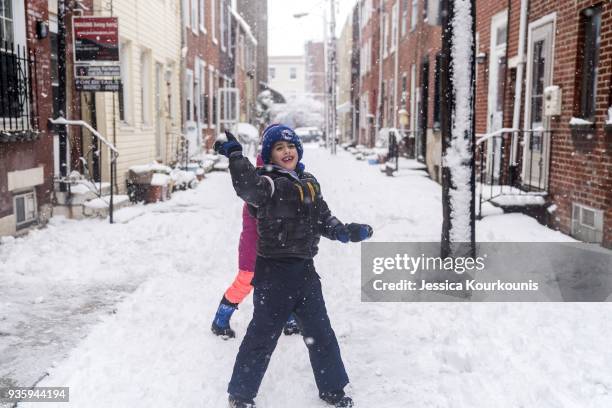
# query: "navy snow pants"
{"type": "Point", "coordinates": [283, 286]}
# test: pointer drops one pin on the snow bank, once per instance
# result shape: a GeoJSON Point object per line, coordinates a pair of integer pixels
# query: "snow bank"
{"type": "Point", "coordinates": [160, 179]}
{"type": "Point", "coordinates": [579, 121]}
{"type": "Point", "coordinates": [104, 202]}
{"type": "Point", "coordinates": [154, 167]}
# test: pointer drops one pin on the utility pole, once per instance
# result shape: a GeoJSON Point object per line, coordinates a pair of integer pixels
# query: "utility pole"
{"type": "Point", "coordinates": [333, 74]}
{"type": "Point", "coordinates": [62, 131]}
{"type": "Point", "coordinates": [326, 80]}
{"type": "Point", "coordinates": [457, 122]}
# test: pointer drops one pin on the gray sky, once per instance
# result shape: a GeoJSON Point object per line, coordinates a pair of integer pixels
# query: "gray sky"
{"type": "Point", "coordinates": [287, 35]}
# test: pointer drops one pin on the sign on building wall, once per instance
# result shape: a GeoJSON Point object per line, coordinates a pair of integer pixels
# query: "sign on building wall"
{"type": "Point", "coordinates": [96, 54]}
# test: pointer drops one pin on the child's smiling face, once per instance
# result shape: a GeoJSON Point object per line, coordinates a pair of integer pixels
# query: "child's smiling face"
{"type": "Point", "coordinates": [285, 155]}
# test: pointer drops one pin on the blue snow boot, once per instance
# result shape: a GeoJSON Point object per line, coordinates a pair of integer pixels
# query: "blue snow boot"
{"type": "Point", "coordinates": [336, 398]}
{"type": "Point", "coordinates": [220, 325]}
{"type": "Point", "coordinates": [291, 327]}
{"type": "Point", "coordinates": [237, 402]}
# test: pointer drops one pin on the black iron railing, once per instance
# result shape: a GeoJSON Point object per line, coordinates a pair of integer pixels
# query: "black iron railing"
{"type": "Point", "coordinates": [18, 90]}
{"type": "Point", "coordinates": [512, 162]}
{"type": "Point", "coordinates": [96, 160]}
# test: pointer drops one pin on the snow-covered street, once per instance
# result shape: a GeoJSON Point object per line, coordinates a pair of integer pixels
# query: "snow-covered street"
{"type": "Point", "coordinates": [121, 313]}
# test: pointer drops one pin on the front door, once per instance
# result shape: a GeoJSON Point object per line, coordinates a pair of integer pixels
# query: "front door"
{"type": "Point", "coordinates": [422, 106]}
{"type": "Point", "coordinates": [497, 82]}
{"type": "Point", "coordinates": [160, 119]}
{"type": "Point", "coordinates": [539, 76]}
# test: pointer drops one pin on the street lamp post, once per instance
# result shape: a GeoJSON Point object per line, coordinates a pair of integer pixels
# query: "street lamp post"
{"type": "Point", "coordinates": [331, 75]}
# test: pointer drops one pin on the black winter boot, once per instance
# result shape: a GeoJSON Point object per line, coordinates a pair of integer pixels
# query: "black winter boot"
{"type": "Point", "coordinates": [237, 402]}
{"type": "Point", "coordinates": [336, 398]}
{"type": "Point", "coordinates": [291, 326]}
{"type": "Point", "coordinates": [220, 325]}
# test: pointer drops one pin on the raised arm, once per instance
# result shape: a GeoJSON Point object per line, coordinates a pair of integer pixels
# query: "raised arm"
{"type": "Point", "coordinates": [250, 186]}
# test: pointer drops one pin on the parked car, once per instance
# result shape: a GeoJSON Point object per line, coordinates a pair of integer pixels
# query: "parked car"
{"type": "Point", "coordinates": [308, 134]}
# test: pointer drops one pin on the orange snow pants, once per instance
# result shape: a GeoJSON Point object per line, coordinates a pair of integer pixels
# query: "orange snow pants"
{"type": "Point", "coordinates": [240, 288]}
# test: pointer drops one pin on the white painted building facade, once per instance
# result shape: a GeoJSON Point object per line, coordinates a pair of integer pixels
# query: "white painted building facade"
{"type": "Point", "coordinates": [147, 114]}
{"type": "Point", "coordinates": [286, 74]}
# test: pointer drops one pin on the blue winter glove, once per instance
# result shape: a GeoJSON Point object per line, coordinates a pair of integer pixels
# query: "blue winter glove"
{"type": "Point", "coordinates": [230, 146]}
{"type": "Point", "coordinates": [342, 233]}
{"type": "Point", "coordinates": [359, 232]}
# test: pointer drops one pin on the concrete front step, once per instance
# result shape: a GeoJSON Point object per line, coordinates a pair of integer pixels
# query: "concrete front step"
{"type": "Point", "coordinates": [94, 207]}
{"type": "Point", "coordinates": [98, 207]}
{"type": "Point", "coordinates": [531, 204]}
{"type": "Point", "coordinates": [80, 193]}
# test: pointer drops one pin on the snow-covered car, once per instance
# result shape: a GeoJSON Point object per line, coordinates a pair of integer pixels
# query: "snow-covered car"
{"type": "Point", "coordinates": [308, 134]}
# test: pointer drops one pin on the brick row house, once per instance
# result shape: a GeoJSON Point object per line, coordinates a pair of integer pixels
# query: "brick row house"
{"type": "Point", "coordinates": [175, 56]}
{"type": "Point", "coordinates": [220, 79]}
{"type": "Point", "coordinates": [28, 90]}
{"type": "Point", "coordinates": [543, 94]}
{"type": "Point", "coordinates": [552, 120]}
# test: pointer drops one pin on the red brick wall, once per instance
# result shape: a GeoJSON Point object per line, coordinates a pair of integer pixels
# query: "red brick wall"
{"type": "Point", "coordinates": [369, 82]}
{"type": "Point", "coordinates": [26, 155]}
{"type": "Point", "coordinates": [424, 42]}
{"type": "Point", "coordinates": [315, 68]}
{"type": "Point", "coordinates": [580, 168]}
{"type": "Point", "coordinates": [485, 10]}
{"type": "Point", "coordinates": [201, 46]}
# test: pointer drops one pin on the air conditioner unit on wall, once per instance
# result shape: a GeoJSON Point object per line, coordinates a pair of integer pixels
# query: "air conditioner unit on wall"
{"type": "Point", "coordinates": [587, 223]}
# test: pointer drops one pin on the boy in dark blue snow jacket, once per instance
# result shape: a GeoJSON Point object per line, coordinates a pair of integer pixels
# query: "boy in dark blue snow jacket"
{"type": "Point", "coordinates": [291, 217]}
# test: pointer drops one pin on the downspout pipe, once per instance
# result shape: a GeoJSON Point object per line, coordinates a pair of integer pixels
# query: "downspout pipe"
{"type": "Point", "coordinates": [397, 78]}
{"type": "Point", "coordinates": [379, 113]}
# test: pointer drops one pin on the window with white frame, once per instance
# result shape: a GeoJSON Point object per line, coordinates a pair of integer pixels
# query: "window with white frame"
{"type": "Point", "coordinates": [203, 116]}
{"type": "Point", "coordinates": [14, 81]}
{"type": "Point", "coordinates": [404, 93]}
{"type": "Point", "coordinates": [394, 28]}
{"type": "Point", "coordinates": [385, 22]}
{"type": "Point", "coordinates": [230, 38]}
{"type": "Point", "coordinates": [145, 88]}
{"type": "Point", "coordinates": [272, 72]}
{"type": "Point", "coordinates": [194, 16]}
{"type": "Point", "coordinates": [24, 205]}
{"type": "Point", "coordinates": [189, 95]}
{"type": "Point", "coordinates": [292, 73]}
{"type": "Point", "coordinates": [197, 80]}
{"type": "Point", "coordinates": [241, 50]}
{"type": "Point", "coordinates": [170, 90]}
{"type": "Point", "coordinates": [415, 14]}
{"type": "Point", "coordinates": [125, 107]}
{"type": "Point", "coordinates": [391, 100]}
{"type": "Point", "coordinates": [365, 110]}
{"type": "Point", "coordinates": [413, 109]}
{"type": "Point", "coordinates": [203, 15]}
{"type": "Point", "coordinates": [6, 23]}
{"type": "Point", "coordinates": [213, 19]}
{"type": "Point", "coordinates": [404, 24]}
{"type": "Point", "coordinates": [186, 7]}
{"type": "Point", "coordinates": [222, 26]}
{"type": "Point", "coordinates": [211, 96]}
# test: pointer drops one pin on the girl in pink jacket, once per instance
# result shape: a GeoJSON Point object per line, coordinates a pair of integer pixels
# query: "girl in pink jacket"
{"type": "Point", "coordinates": [241, 286]}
